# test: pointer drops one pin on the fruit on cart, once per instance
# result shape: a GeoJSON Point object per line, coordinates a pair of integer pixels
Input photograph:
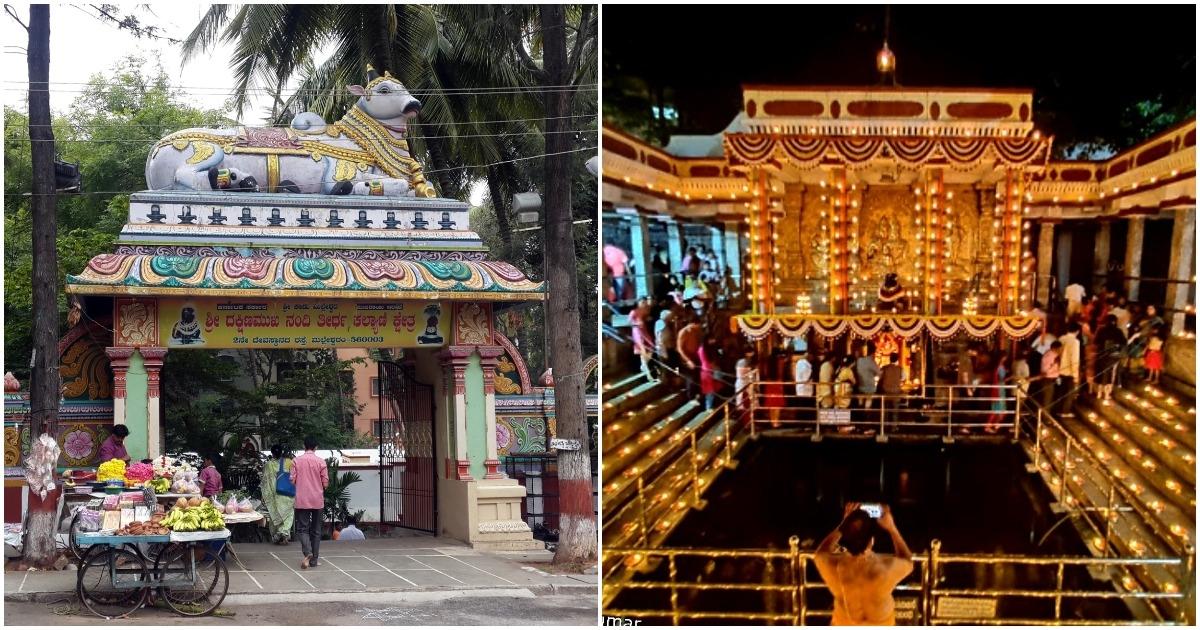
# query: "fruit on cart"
{"type": "Point", "coordinates": [181, 503]}
{"type": "Point", "coordinates": [195, 518]}
{"type": "Point", "coordinates": [111, 469]}
{"type": "Point", "coordinates": [142, 528]}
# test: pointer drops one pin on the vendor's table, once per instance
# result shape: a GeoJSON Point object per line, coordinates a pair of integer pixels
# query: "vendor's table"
{"type": "Point", "coordinates": [240, 519]}
{"type": "Point", "coordinates": [185, 571]}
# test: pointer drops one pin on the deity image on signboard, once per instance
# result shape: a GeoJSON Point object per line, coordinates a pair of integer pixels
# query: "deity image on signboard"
{"type": "Point", "coordinates": [431, 336]}
{"type": "Point", "coordinates": [186, 331]}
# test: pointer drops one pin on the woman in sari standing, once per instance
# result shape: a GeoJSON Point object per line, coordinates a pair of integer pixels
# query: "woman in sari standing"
{"type": "Point", "coordinates": [281, 507]}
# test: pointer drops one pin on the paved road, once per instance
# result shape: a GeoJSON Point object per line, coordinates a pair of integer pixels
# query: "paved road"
{"type": "Point", "coordinates": [517, 607]}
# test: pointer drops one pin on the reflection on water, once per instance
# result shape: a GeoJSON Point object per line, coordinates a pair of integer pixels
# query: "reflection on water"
{"type": "Point", "coordinates": [975, 498]}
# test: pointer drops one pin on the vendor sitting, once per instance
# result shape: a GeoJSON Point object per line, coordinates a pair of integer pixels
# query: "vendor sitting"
{"type": "Point", "coordinates": [210, 478]}
{"type": "Point", "coordinates": [890, 293]}
{"type": "Point", "coordinates": [114, 446]}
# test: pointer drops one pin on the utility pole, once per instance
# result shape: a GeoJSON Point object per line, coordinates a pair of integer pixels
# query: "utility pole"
{"type": "Point", "coordinates": [45, 390]}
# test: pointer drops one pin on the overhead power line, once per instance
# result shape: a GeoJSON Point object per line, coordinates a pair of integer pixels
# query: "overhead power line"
{"type": "Point", "coordinates": [427, 172]}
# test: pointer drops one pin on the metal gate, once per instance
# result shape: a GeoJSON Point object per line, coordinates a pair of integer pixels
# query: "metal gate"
{"type": "Point", "coordinates": [407, 475]}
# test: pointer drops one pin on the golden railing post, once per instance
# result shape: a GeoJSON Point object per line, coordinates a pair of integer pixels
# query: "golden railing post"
{"type": "Point", "coordinates": [673, 573]}
{"type": "Point", "coordinates": [642, 510]}
{"type": "Point", "coordinates": [798, 595]}
{"type": "Point", "coordinates": [1058, 591]}
{"type": "Point", "coordinates": [882, 417]}
{"type": "Point", "coordinates": [950, 414]}
{"type": "Point", "coordinates": [1062, 485]}
{"type": "Point", "coordinates": [1189, 594]}
{"type": "Point", "coordinates": [695, 470]}
{"type": "Point", "coordinates": [752, 394]}
{"type": "Point", "coordinates": [1108, 516]}
{"type": "Point", "coordinates": [728, 442]}
{"type": "Point", "coordinates": [1037, 441]}
{"type": "Point", "coordinates": [929, 581]}
{"type": "Point", "coordinates": [1017, 415]}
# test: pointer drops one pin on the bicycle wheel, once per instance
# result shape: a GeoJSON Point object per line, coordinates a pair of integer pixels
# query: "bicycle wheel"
{"type": "Point", "coordinates": [96, 587]}
{"type": "Point", "coordinates": [77, 550]}
{"type": "Point", "coordinates": [195, 593]}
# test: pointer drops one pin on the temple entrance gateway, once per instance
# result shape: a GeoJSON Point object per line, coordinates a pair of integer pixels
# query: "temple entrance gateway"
{"type": "Point", "coordinates": [203, 263]}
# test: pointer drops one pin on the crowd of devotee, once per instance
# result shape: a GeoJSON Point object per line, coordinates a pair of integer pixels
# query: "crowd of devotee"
{"type": "Point", "coordinates": [1086, 345]}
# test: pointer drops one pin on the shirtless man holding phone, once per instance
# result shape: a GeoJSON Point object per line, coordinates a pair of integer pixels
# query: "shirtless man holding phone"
{"type": "Point", "coordinates": [861, 581]}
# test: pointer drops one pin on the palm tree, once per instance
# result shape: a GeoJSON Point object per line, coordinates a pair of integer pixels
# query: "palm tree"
{"type": "Point", "coordinates": [471, 65]}
{"type": "Point", "coordinates": [443, 54]}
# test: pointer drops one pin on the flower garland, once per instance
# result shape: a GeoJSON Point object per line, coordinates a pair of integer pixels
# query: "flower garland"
{"type": "Point", "coordinates": [939, 327]}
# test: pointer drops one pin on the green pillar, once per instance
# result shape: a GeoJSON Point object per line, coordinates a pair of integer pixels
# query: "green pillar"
{"type": "Point", "coordinates": [476, 416]}
{"type": "Point", "coordinates": [136, 400]}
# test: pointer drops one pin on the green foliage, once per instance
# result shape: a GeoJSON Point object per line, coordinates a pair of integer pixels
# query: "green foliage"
{"type": "Point", "coordinates": [337, 493]}
{"type": "Point", "coordinates": [108, 131]}
{"type": "Point", "coordinates": [210, 403]}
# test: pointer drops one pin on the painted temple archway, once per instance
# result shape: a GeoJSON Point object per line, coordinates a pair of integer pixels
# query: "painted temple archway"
{"type": "Point", "coordinates": [378, 262]}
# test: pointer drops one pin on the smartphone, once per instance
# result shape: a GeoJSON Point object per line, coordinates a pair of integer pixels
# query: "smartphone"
{"type": "Point", "coordinates": [874, 509]}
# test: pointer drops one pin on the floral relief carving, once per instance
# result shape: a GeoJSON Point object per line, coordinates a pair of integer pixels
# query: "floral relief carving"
{"type": "Point", "coordinates": [137, 323]}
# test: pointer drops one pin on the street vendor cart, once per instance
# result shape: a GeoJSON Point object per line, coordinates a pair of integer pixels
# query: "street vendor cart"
{"type": "Point", "coordinates": [185, 571]}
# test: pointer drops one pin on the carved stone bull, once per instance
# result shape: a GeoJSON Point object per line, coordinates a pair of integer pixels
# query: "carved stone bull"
{"type": "Point", "coordinates": [365, 153]}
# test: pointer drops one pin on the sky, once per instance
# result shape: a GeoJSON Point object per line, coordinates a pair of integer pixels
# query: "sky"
{"type": "Point", "coordinates": [1084, 62]}
{"type": "Point", "coordinates": [82, 45]}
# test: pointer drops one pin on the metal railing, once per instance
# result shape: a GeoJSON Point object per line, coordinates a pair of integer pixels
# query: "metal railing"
{"type": "Point", "coordinates": [942, 410]}
{"type": "Point", "coordinates": [785, 585]}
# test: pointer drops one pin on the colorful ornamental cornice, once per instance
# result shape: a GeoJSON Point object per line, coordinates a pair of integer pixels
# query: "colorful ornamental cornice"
{"type": "Point", "coordinates": [137, 274]}
{"type": "Point", "coordinates": [806, 152]}
{"type": "Point", "coordinates": [866, 326]}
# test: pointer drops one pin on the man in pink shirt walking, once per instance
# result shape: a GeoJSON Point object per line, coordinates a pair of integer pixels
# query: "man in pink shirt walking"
{"type": "Point", "coordinates": [310, 476]}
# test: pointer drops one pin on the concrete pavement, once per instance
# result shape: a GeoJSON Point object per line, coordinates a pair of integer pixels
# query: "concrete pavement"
{"type": "Point", "coordinates": [424, 579]}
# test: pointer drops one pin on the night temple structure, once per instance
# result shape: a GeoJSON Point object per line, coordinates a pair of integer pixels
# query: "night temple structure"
{"type": "Point", "coordinates": [930, 222]}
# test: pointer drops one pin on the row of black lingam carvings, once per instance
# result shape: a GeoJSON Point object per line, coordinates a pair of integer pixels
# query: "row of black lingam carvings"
{"type": "Point", "coordinates": [218, 218]}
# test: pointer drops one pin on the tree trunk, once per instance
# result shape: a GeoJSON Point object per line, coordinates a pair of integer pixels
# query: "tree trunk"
{"type": "Point", "coordinates": [44, 382]}
{"type": "Point", "coordinates": [577, 524]}
{"type": "Point", "coordinates": [500, 206]}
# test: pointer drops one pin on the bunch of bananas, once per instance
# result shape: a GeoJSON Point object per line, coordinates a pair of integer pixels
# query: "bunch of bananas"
{"type": "Point", "coordinates": [160, 485]}
{"type": "Point", "coordinates": [204, 517]}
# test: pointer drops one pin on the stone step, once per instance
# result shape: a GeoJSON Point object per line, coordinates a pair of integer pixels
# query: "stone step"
{"type": "Point", "coordinates": [1160, 467]}
{"type": "Point", "coordinates": [1161, 399]}
{"type": "Point", "coordinates": [1158, 525]}
{"type": "Point", "coordinates": [1133, 409]}
{"type": "Point", "coordinates": [667, 495]}
{"type": "Point", "coordinates": [616, 388]}
{"type": "Point", "coordinates": [1135, 531]}
{"type": "Point", "coordinates": [621, 467]}
{"type": "Point", "coordinates": [634, 398]}
{"type": "Point", "coordinates": [1185, 390]}
{"type": "Point", "coordinates": [634, 422]}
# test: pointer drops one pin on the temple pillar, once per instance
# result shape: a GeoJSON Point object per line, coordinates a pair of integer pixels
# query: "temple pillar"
{"type": "Point", "coordinates": [642, 254]}
{"type": "Point", "coordinates": [674, 245]}
{"type": "Point", "coordinates": [1183, 252]}
{"type": "Point", "coordinates": [1103, 245]}
{"type": "Point", "coordinates": [152, 360]}
{"type": "Point", "coordinates": [454, 361]}
{"type": "Point", "coordinates": [478, 504]}
{"type": "Point", "coordinates": [118, 358]}
{"type": "Point", "coordinates": [1045, 263]}
{"type": "Point", "coordinates": [488, 355]}
{"type": "Point", "coordinates": [1133, 256]}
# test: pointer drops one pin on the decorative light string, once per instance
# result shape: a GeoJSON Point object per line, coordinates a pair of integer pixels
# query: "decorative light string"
{"type": "Point", "coordinates": [934, 223]}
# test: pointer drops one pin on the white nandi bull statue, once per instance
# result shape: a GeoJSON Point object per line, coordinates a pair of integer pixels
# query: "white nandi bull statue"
{"type": "Point", "coordinates": [364, 153]}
